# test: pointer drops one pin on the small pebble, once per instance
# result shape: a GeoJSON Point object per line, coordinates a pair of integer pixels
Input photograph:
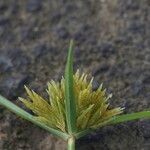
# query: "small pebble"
{"type": "Point", "coordinates": [39, 50]}
{"type": "Point", "coordinates": [137, 89]}
{"type": "Point", "coordinates": [62, 33]}
{"type": "Point", "coordinates": [5, 63]}
{"type": "Point", "coordinates": [34, 5]}
{"type": "Point", "coordinates": [3, 20]}
{"type": "Point", "coordinates": [55, 17]}
{"type": "Point", "coordinates": [145, 128]}
{"type": "Point", "coordinates": [107, 49]}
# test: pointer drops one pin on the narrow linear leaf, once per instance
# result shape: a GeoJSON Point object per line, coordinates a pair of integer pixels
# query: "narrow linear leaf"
{"type": "Point", "coordinates": [129, 117]}
{"type": "Point", "coordinates": [20, 112]}
{"type": "Point", "coordinates": [116, 120]}
{"type": "Point", "coordinates": [69, 93]}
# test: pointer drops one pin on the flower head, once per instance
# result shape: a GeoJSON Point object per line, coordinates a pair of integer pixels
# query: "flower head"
{"type": "Point", "coordinates": [92, 107]}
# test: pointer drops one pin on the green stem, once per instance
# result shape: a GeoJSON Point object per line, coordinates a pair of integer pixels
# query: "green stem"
{"type": "Point", "coordinates": [71, 143]}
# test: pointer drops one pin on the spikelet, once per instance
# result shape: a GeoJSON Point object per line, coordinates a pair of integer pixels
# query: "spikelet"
{"type": "Point", "coordinates": [92, 106]}
{"type": "Point", "coordinates": [52, 115]}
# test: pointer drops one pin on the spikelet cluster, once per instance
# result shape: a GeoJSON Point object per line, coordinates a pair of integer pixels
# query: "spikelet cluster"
{"type": "Point", "coordinates": [92, 107]}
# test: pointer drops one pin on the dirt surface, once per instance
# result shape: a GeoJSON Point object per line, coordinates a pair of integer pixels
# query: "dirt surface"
{"type": "Point", "coordinates": [112, 43]}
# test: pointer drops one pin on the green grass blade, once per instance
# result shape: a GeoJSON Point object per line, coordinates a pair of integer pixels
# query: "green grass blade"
{"type": "Point", "coordinates": [129, 117]}
{"type": "Point", "coordinates": [20, 112]}
{"type": "Point", "coordinates": [69, 93]}
{"type": "Point", "coordinates": [116, 120]}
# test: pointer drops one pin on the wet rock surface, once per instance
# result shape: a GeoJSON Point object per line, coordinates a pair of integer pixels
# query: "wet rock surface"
{"type": "Point", "coordinates": [112, 43]}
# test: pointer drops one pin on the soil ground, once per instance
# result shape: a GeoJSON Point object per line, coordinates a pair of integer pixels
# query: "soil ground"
{"type": "Point", "coordinates": [112, 43]}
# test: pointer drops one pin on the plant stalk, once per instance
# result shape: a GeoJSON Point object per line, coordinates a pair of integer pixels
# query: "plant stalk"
{"type": "Point", "coordinates": [71, 143]}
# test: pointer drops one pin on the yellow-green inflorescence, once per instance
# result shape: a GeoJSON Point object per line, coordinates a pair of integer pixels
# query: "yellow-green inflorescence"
{"type": "Point", "coordinates": [92, 107]}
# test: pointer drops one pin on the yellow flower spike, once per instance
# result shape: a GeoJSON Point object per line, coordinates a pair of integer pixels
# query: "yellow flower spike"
{"type": "Point", "coordinates": [92, 106]}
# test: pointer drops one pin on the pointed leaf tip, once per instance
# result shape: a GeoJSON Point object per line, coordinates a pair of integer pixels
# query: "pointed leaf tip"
{"type": "Point", "coordinates": [69, 93]}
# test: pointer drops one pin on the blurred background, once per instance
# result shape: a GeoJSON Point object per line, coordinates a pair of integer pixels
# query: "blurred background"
{"type": "Point", "coordinates": [112, 43]}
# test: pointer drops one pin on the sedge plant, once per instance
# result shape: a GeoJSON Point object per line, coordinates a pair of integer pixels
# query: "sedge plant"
{"type": "Point", "coordinates": [73, 109]}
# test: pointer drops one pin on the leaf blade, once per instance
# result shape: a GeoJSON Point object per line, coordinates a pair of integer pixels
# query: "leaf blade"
{"type": "Point", "coordinates": [130, 117]}
{"type": "Point", "coordinates": [70, 105]}
{"type": "Point", "coordinates": [25, 115]}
